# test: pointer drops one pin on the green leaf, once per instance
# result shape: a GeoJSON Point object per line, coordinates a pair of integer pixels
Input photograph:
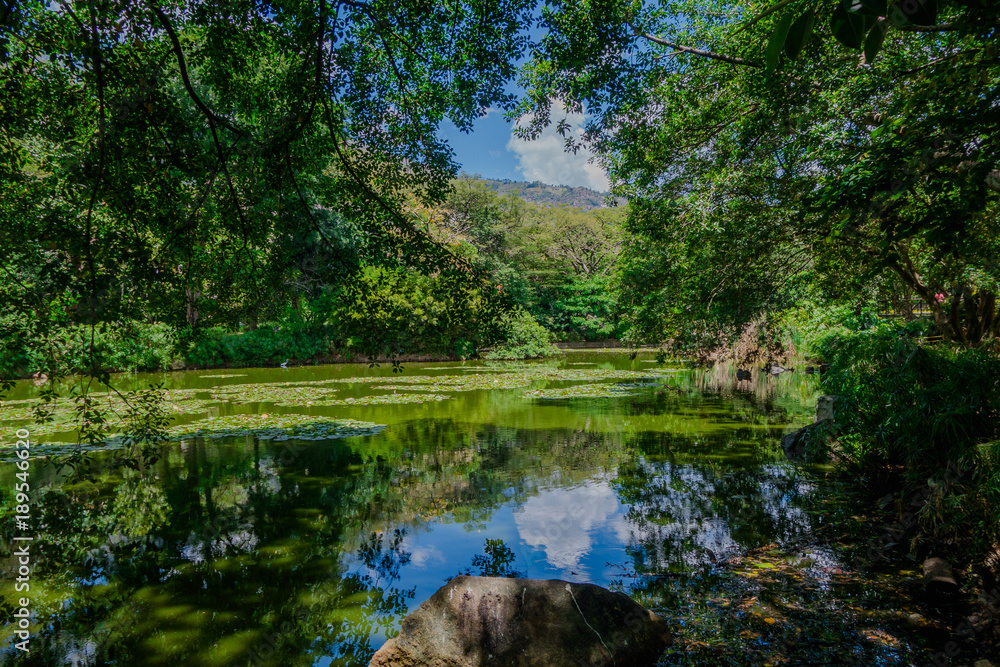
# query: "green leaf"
{"type": "Point", "coordinates": [776, 42]}
{"type": "Point", "coordinates": [874, 42]}
{"type": "Point", "coordinates": [870, 7]}
{"type": "Point", "coordinates": [869, 23]}
{"type": "Point", "coordinates": [848, 27]}
{"type": "Point", "coordinates": [799, 33]}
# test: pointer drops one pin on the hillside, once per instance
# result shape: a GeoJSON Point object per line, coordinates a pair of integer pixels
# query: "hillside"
{"type": "Point", "coordinates": [542, 193]}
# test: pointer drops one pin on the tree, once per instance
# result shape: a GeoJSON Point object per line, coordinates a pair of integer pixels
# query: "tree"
{"type": "Point", "coordinates": [554, 261]}
{"type": "Point", "coordinates": [754, 146]}
{"type": "Point", "coordinates": [172, 160]}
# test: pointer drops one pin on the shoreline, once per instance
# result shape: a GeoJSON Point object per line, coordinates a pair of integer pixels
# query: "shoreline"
{"type": "Point", "coordinates": [330, 359]}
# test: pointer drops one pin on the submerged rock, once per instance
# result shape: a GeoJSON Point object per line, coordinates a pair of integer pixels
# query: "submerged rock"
{"type": "Point", "coordinates": [474, 621]}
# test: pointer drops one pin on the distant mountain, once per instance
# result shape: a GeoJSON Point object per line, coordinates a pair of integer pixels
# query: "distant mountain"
{"type": "Point", "coordinates": [552, 195]}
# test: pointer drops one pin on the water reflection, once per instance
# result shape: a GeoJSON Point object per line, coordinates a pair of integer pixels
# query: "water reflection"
{"type": "Point", "coordinates": [242, 551]}
{"type": "Point", "coordinates": [564, 523]}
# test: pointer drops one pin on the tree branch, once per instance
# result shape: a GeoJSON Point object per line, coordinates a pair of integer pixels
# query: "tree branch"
{"type": "Point", "coordinates": [182, 66]}
{"type": "Point", "coordinates": [733, 60]}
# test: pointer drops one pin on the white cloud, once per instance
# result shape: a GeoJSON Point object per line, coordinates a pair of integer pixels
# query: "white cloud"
{"type": "Point", "coordinates": [422, 556]}
{"type": "Point", "coordinates": [545, 158]}
{"type": "Point", "coordinates": [561, 521]}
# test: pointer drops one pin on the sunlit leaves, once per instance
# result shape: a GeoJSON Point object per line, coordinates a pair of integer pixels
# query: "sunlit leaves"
{"type": "Point", "coordinates": [203, 163]}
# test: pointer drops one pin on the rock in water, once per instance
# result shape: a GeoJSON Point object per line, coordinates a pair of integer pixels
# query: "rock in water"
{"type": "Point", "coordinates": [811, 440]}
{"type": "Point", "coordinates": [478, 621]}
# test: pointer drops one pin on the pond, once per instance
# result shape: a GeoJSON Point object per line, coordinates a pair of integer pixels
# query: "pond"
{"type": "Point", "coordinates": [303, 512]}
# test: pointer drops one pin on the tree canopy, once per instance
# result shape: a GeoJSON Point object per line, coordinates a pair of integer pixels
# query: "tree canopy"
{"type": "Point", "coordinates": [181, 161]}
{"type": "Point", "coordinates": [761, 142]}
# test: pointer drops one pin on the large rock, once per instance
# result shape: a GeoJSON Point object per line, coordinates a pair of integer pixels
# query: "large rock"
{"type": "Point", "coordinates": [809, 442]}
{"type": "Point", "coordinates": [475, 621]}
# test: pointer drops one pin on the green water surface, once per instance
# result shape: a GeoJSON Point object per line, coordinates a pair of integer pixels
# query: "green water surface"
{"type": "Point", "coordinates": [249, 543]}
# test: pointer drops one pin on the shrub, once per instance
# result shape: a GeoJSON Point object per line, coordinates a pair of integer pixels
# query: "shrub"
{"type": "Point", "coordinates": [577, 309]}
{"type": "Point", "coordinates": [912, 413]}
{"type": "Point", "coordinates": [521, 337]}
{"type": "Point", "coordinates": [127, 346]}
{"type": "Point", "coordinates": [264, 345]}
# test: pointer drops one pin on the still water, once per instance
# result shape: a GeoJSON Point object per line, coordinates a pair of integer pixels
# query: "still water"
{"type": "Point", "coordinates": [666, 483]}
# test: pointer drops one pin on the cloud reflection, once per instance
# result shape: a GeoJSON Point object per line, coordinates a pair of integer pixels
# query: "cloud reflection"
{"type": "Point", "coordinates": [561, 521]}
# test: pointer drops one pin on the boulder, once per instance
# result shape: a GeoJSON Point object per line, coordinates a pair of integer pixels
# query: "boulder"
{"type": "Point", "coordinates": [794, 443]}
{"type": "Point", "coordinates": [809, 442]}
{"type": "Point", "coordinates": [938, 578]}
{"type": "Point", "coordinates": [475, 621]}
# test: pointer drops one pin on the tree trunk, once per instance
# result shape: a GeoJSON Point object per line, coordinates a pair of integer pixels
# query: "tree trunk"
{"type": "Point", "coordinates": [970, 318]}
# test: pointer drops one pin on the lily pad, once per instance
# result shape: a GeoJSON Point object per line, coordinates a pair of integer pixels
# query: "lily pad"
{"type": "Point", "coordinates": [582, 391]}
{"type": "Point", "coordinates": [512, 380]}
{"type": "Point", "coordinates": [385, 399]}
{"type": "Point", "coordinates": [279, 393]}
{"type": "Point", "coordinates": [277, 427]}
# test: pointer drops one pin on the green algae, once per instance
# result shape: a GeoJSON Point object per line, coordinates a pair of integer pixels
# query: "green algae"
{"type": "Point", "coordinates": [276, 427]}
{"type": "Point", "coordinates": [583, 391]}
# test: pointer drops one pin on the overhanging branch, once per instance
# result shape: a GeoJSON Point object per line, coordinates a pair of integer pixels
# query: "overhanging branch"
{"type": "Point", "coordinates": [732, 60]}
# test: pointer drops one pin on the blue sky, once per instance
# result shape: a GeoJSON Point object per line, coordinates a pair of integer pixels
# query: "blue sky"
{"type": "Point", "coordinates": [491, 151]}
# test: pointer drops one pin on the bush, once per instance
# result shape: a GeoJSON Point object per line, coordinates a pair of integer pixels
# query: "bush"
{"type": "Point", "coordinates": [128, 346]}
{"type": "Point", "coordinates": [912, 413]}
{"type": "Point", "coordinates": [141, 347]}
{"type": "Point", "coordinates": [521, 337]}
{"type": "Point", "coordinates": [577, 309]}
{"type": "Point", "coordinates": [264, 345]}
{"type": "Point", "coordinates": [815, 320]}
{"type": "Point", "coordinates": [392, 312]}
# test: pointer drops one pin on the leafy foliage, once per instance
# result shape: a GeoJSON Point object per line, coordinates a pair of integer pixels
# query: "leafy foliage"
{"type": "Point", "coordinates": [521, 337]}
{"type": "Point", "coordinates": [203, 163]}
{"type": "Point", "coordinates": [913, 404]}
{"type": "Point", "coordinates": [758, 155]}
{"type": "Point", "coordinates": [916, 414]}
{"type": "Point", "coordinates": [556, 262]}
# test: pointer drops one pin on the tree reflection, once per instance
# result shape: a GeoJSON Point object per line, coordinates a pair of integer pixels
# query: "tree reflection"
{"type": "Point", "coordinates": [497, 560]}
{"type": "Point", "coordinates": [683, 514]}
{"type": "Point", "coordinates": [279, 553]}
